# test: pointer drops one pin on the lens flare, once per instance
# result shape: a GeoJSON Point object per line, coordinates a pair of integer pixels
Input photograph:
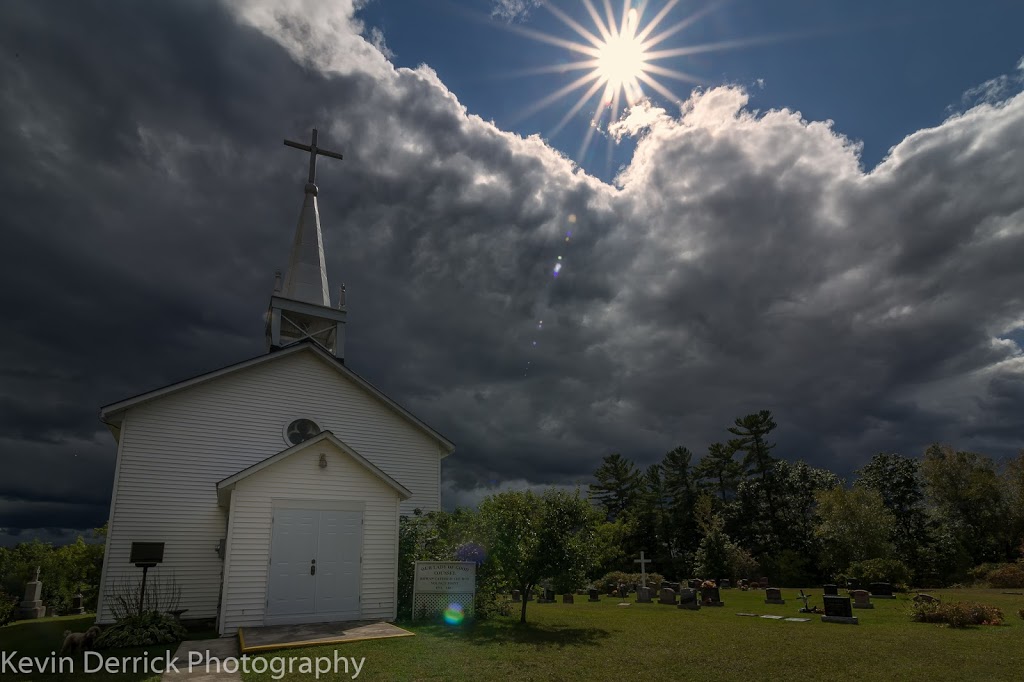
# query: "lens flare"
{"type": "Point", "coordinates": [454, 614]}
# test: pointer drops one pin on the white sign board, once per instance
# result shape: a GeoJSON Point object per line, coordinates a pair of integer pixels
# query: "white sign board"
{"type": "Point", "coordinates": [440, 584]}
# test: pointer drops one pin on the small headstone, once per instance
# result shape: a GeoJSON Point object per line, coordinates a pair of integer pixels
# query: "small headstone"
{"type": "Point", "coordinates": [643, 595]}
{"type": "Point", "coordinates": [753, 615]}
{"type": "Point", "coordinates": [567, 598]}
{"type": "Point", "coordinates": [516, 595]}
{"type": "Point", "coordinates": [667, 596]}
{"type": "Point", "coordinates": [548, 597]}
{"type": "Point", "coordinates": [861, 599]}
{"type": "Point", "coordinates": [726, 584]}
{"type": "Point", "coordinates": [595, 595]}
{"type": "Point", "coordinates": [77, 608]}
{"type": "Point", "coordinates": [529, 595]}
{"type": "Point", "coordinates": [798, 620]}
{"type": "Point", "coordinates": [927, 598]}
{"type": "Point", "coordinates": [764, 583]}
{"type": "Point", "coordinates": [32, 606]}
{"type": "Point", "coordinates": [709, 596]}
{"type": "Point", "coordinates": [882, 591]}
{"type": "Point", "coordinates": [694, 584]}
{"type": "Point", "coordinates": [838, 610]}
{"type": "Point", "coordinates": [830, 590]}
{"type": "Point", "coordinates": [773, 595]}
{"type": "Point", "coordinates": [688, 599]}
{"type": "Point", "coordinates": [773, 617]}
{"type": "Point", "coordinates": [852, 584]}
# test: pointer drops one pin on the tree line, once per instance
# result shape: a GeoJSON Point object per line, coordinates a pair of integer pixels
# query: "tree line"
{"type": "Point", "coordinates": [740, 509]}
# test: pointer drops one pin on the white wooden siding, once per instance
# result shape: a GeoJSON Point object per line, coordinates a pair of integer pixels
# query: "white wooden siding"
{"type": "Point", "coordinates": [181, 445]}
{"type": "Point", "coordinates": [294, 479]}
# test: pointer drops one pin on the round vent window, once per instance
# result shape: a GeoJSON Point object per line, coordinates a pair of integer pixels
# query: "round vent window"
{"type": "Point", "coordinates": [301, 430]}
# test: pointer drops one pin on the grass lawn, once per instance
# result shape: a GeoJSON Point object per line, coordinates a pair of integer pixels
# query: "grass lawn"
{"type": "Point", "coordinates": [37, 638]}
{"type": "Point", "coordinates": [603, 641]}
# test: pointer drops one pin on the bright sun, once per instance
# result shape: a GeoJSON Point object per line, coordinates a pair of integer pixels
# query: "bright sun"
{"type": "Point", "coordinates": [617, 58]}
{"type": "Point", "coordinates": [620, 60]}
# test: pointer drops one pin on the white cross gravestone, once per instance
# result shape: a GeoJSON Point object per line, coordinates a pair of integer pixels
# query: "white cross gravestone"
{"type": "Point", "coordinates": [643, 570]}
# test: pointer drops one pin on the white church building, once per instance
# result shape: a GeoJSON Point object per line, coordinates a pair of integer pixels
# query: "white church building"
{"type": "Point", "coordinates": [271, 489]}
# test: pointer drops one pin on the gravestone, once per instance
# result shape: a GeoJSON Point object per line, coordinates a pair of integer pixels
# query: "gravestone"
{"type": "Point", "coordinates": [77, 609]}
{"type": "Point", "coordinates": [667, 596]}
{"type": "Point", "coordinates": [548, 596]}
{"type": "Point", "coordinates": [567, 598]}
{"type": "Point", "coordinates": [764, 583]}
{"type": "Point", "coordinates": [882, 591]}
{"type": "Point", "coordinates": [773, 595]}
{"type": "Point", "coordinates": [694, 584]}
{"type": "Point", "coordinates": [927, 599]}
{"type": "Point", "coordinates": [595, 595]}
{"type": "Point", "coordinates": [709, 596]}
{"type": "Point", "coordinates": [726, 584]}
{"type": "Point", "coordinates": [643, 595]}
{"type": "Point", "coordinates": [688, 600]}
{"type": "Point", "coordinates": [831, 590]}
{"type": "Point", "coordinates": [807, 608]}
{"type": "Point", "coordinates": [852, 584]}
{"type": "Point", "coordinates": [861, 599]}
{"type": "Point", "coordinates": [32, 606]}
{"type": "Point", "coordinates": [838, 610]}
{"type": "Point", "coordinates": [516, 595]}
{"type": "Point", "coordinates": [529, 595]}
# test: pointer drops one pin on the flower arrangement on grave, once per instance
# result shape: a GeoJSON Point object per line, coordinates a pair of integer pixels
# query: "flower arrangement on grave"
{"type": "Point", "coordinates": [708, 584]}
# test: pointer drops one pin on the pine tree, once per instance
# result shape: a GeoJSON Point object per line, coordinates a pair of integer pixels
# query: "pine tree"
{"type": "Point", "coordinates": [617, 485]}
{"type": "Point", "coordinates": [752, 430]}
{"type": "Point", "coordinates": [720, 469]}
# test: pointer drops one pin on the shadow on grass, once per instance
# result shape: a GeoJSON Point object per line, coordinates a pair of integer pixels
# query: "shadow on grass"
{"type": "Point", "coordinates": [490, 632]}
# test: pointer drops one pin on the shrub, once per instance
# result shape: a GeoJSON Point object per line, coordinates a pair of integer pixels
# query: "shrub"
{"type": "Point", "coordinates": [956, 614]}
{"type": "Point", "coordinates": [1007, 575]}
{"type": "Point", "coordinates": [7, 603]}
{"type": "Point", "coordinates": [880, 571]}
{"type": "Point", "coordinates": [1021, 613]}
{"type": "Point", "coordinates": [145, 629]}
{"type": "Point", "coordinates": [610, 581]}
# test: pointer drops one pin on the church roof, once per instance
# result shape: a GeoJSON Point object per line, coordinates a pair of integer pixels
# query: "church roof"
{"type": "Point", "coordinates": [228, 484]}
{"type": "Point", "coordinates": [111, 414]}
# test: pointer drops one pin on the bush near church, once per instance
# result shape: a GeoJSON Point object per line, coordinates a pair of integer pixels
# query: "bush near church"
{"type": "Point", "coordinates": [7, 606]}
{"type": "Point", "coordinates": [142, 629]}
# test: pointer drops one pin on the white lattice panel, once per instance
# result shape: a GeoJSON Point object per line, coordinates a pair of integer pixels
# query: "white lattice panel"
{"type": "Point", "coordinates": [434, 605]}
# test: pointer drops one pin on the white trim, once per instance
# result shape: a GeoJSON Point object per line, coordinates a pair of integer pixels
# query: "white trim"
{"type": "Point", "coordinates": [398, 538]}
{"type": "Point", "coordinates": [110, 520]}
{"type": "Point", "coordinates": [111, 411]}
{"type": "Point", "coordinates": [318, 505]}
{"type": "Point", "coordinates": [226, 566]}
{"type": "Point", "coordinates": [229, 483]}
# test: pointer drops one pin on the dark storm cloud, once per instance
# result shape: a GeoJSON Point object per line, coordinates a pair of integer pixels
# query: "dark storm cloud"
{"type": "Point", "coordinates": [742, 262]}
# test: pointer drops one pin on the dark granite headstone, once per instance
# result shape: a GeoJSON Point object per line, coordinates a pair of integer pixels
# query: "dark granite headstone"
{"type": "Point", "coordinates": [667, 596]}
{"type": "Point", "coordinates": [595, 595]}
{"type": "Point", "coordinates": [516, 595]}
{"type": "Point", "coordinates": [643, 595]}
{"type": "Point", "coordinates": [688, 599]}
{"type": "Point", "coordinates": [694, 584]}
{"type": "Point", "coordinates": [725, 584]}
{"type": "Point", "coordinates": [852, 584]}
{"type": "Point", "coordinates": [549, 596]}
{"type": "Point", "coordinates": [773, 595]}
{"type": "Point", "coordinates": [882, 591]}
{"type": "Point", "coordinates": [838, 610]}
{"type": "Point", "coordinates": [709, 596]}
{"type": "Point", "coordinates": [77, 609]}
{"type": "Point", "coordinates": [567, 598]}
{"type": "Point", "coordinates": [831, 590]}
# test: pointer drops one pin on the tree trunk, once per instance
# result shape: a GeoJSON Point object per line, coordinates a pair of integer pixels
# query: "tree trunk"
{"type": "Point", "coordinates": [522, 615]}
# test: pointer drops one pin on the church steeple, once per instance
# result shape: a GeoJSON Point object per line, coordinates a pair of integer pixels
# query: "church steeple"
{"type": "Point", "coordinates": [301, 308]}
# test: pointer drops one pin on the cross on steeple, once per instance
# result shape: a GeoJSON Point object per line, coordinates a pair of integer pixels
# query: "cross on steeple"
{"type": "Point", "coordinates": [313, 151]}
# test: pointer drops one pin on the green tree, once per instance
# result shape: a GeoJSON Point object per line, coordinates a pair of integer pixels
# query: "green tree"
{"type": "Point", "coordinates": [753, 430]}
{"type": "Point", "coordinates": [898, 480]}
{"type": "Point", "coordinates": [531, 537]}
{"type": "Point", "coordinates": [854, 525]}
{"type": "Point", "coordinates": [681, 493]}
{"type": "Point", "coordinates": [717, 556]}
{"type": "Point", "coordinates": [719, 469]}
{"type": "Point", "coordinates": [652, 520]}
{"type": "Point", "coordinates": [618, 482]}
{"type": "Point", "coordinates": [968, 495]}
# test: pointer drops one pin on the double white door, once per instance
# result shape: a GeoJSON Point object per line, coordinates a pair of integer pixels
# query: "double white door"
{"type": "Point", "coordinates": [314, 565]}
